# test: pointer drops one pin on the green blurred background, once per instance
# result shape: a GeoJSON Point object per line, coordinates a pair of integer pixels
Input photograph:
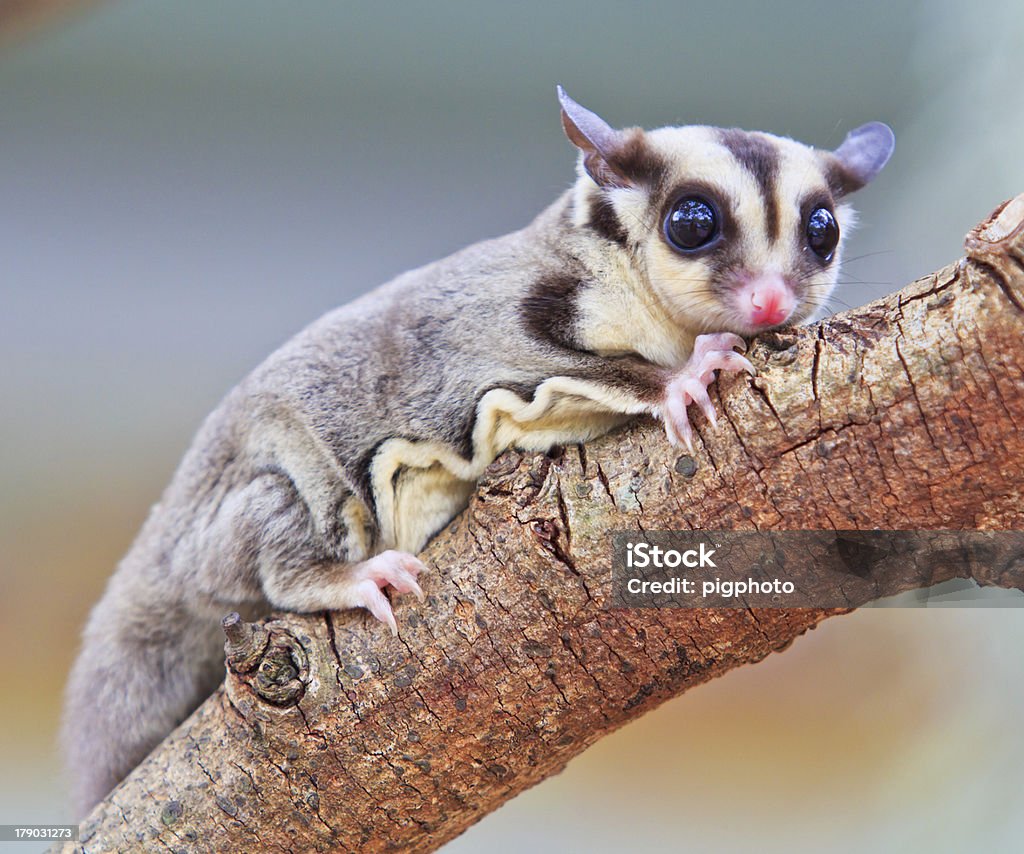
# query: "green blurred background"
{"type": "Point", "coordinates": [184, 185]}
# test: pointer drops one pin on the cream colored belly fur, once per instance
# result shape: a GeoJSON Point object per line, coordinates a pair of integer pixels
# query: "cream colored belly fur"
{"type": "Point", "coordinates": [434, 482]}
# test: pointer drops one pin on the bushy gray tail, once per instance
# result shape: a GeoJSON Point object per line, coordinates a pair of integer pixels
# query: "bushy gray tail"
{"type": "Point", "coordinates": [142, 669]}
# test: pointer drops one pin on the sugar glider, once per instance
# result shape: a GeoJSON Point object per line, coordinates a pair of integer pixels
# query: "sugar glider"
{"type": "Point", "coordinates": [317, 479]}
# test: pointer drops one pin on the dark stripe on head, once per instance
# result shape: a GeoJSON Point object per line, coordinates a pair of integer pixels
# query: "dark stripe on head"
{"type": "Point", "coordinates": [548, 311]}
{"type": "Point", "coordinates": [605, 221]}
{"type": "Point", "coordinates": [761, 159]}
{"type": "Point", "coordinates": [840, 180]}
{"type": "Point", "coordinates": [636, 161]}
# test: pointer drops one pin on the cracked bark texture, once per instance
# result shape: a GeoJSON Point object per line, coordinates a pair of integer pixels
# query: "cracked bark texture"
{"type": "Point", "coordinates": [330, 735]}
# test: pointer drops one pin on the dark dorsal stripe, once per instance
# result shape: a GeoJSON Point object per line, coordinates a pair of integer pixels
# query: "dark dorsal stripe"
{"type": "Point", "coordinates": [761, 159]}
{"type": "Point", "coordinates": [605, 221]}
{"type": "Point", "coordinates": [633, 163]}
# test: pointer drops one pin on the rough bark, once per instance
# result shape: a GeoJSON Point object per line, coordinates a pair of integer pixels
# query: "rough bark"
{"type": "Point", "coordinates": [329, 734]}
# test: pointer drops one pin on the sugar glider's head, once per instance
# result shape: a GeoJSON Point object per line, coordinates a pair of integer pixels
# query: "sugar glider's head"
{"type": "Point", "coordinates": [733, 230]}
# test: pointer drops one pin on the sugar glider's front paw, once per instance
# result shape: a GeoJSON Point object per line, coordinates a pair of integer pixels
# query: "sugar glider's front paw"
{"type": "Point", "coordinates": [690, 385]}
{"type": "Point", "coordinates": [394, 568]}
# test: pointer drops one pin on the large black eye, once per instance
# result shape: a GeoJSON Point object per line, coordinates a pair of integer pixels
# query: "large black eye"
{"type": "Point", "coordinates": [692, 223]}
{"type": "Point", "coordinates": [822, 233]}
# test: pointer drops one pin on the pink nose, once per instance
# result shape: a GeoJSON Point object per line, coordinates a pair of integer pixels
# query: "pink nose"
{"type": "Point", "coordinates": [767, 300]}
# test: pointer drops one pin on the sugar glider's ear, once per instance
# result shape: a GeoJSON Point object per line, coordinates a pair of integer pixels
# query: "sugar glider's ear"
{"type": "Point", "coordinates": [596, 139]}
{"type": "Point", "coordinates": [861, 156]}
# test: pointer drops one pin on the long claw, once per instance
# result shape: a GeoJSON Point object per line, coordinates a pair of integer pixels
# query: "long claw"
{"type": "Point", "coordinates": [715, 341]}
{"type": "Point", "coordinates": [411, 567]}
{"type": "Point", "coordinates": [405, 582]}
{"type": "Point", "coordinates": [735, 341]}
{"type": "Point", "coordinates": [711, 353]}
{"type": "Point", "coordinates": [722, 360]}
{"type": "Point", "coordinates": [670, 432]}
{"type": "Point", "coordinates": [744, 363]}
{"type": "Point", "coordinates": [391, 568]}
{"type": "Point", "coordinates": [685, 430]}
{"type": "Point", "coordinates": [688, 438]}
{"type": "Point", "coordinates": [699, 395]}
{"type": "Point", "coordinates": [378, 605]}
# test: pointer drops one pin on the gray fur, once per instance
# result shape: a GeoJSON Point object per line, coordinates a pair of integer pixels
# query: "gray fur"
{"type": "Point", "coordinates": [275, 502]}
{"type": "Point", "coordinates": [410, 359]}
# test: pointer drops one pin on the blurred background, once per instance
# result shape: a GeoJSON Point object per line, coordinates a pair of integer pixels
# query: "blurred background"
{"type": "Point", "coordinates": [184, 185]}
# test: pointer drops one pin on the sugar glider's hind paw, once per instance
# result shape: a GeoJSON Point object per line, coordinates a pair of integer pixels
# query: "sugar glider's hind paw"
{"type": "Point", "coordinates": [391, 568]}
{"type": "Point", "coordinates": [711, 353]}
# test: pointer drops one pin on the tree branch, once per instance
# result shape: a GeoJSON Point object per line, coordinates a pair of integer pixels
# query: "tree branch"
{"type": "Point", "coordinates": [329, 734]}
